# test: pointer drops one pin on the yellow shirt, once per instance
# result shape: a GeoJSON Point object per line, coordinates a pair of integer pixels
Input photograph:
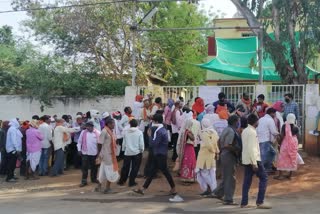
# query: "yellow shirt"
{"type": "Point", "coordinates": [250, 146]}
{"type": "Point", "coordinates": [208, 149]}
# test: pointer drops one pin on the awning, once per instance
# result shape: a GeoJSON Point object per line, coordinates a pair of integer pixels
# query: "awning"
{"type": "Point", "coordinates": [239, 57]}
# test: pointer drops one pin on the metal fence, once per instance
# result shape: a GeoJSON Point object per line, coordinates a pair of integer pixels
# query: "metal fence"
{"type": "Point", "coordinates": [233, 93]}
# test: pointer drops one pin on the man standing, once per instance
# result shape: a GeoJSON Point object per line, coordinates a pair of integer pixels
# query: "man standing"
{"type": "Point", "coordinates": [267, 131]}
{"type": "Point", "coordinates": [159, 143]}
{"type": "Point", "coordinates": [252, 164]}
{"type": "Point", "coordinates": [79, 124]}
{"type": "Point", "coordinates": [229, 144]}
{"type": "Point", "coordinates": [61, 135]}
{"type": "Point", "coordinates": [46, 132]}
{"type": "Point", "coordinates": [176, 123]}
{"type": "Point", "coordinates": [88, 149]}
{"type": "Point", "coordinates": [133, 147]}
{"type": "Point", "coordinates": [13, 148]}
{"type": "Point", "coordinates": [137, 106]}
{"type": "Point", "coordinates": [156, 106]}
{"type": "Point", "coordinates": [108, 172]}
{"type": "Point", "coordinates": [290, 107]}
{"type": "Point", "coordinates": [223, 102]}
{"type": "Point", "coordinates": [260, 107]}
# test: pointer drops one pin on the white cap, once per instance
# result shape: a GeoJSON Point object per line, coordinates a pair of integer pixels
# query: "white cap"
{"type": "Point", "coordinates": [291, 118]}
{"type": "Point", "coordinates": [105, 115]}
{"type": "Point", "coordinates": [78, 116]}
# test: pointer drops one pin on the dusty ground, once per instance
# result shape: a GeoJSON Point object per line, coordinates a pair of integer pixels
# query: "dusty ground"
{"type": "Point", "coordinates": [49, 195]}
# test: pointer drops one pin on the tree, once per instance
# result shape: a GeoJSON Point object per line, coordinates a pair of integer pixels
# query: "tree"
{"type": "Point", "coordinates": [101, 35]}
{"type": "Point", "coordinates": [296, 33]}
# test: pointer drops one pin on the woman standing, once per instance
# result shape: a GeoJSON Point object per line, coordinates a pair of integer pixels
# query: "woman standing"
{"type": "Point", "coordinates": [187, 156]}
{"type": "Point", "coordinates": [208, 154]}
{"type": "Point", "coordinates": [34, 146]}
{"type": "Point", "coordinates": [288, 157]}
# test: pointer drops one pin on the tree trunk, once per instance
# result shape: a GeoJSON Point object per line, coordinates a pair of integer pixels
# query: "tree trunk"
{"type": "Point", "coordinates": [275, 47]}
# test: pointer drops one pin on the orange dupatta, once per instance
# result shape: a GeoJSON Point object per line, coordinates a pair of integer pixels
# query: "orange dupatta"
{"type": "Point", "coordinates": [113, 149]}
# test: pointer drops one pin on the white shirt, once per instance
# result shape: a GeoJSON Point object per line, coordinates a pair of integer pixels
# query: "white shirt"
{"type": "Point", "coordinates": [133, 142]}
{"type": "Point", "coordinates": [46, 132]}
{"type": "Point", "coordinates": [266, 129]}
{"type": "Point", "coordinates": [92, 141]}
{"type": "Point", "coordinates": [58, 142]}
{"type": "Point", "coordinates": [196, 131]}
{"type": "Point", "coordinates": [179, 120]}
{"type": "Point", "coordinates": [220, 125]}
{"type": "Point", "coordinates": [250, 146]}
{"type": "Point", "coordinates": [211, 117]}
{"type": "Point", "coordinates": [137, 106]}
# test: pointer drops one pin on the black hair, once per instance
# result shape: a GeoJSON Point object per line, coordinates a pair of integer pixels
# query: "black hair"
{"type": "Point", "coordinates": [35, 117]}
{"type": "Point", "coordinates": [158, 100]}
{"type": "Point", "coordinates": [271, 110]}
{"type": "Point", "coordinates": [133, 123]}
{"type": "Point", "coordinates": [181, 98]}
{"type": "Point", "coordinates": [233, 119]}
{"type": "Point", "coordinates": [158, 118]}
{"type": "Point", "coordinates": [79, 113]}
{"type": "Point", "coordinates": [245, 94]}
{"type": "Point", "coordinates": [109, 121]}
{"type": "Point", "coordinates": [159, 112]}
{"type": "Point", "coordinates": [65, 117]}
{"type": "Point", "coordinates": [261, 96]}
{"type": "Point", "coordinates": [295, 130]}
{"type": "Point", "coordinates": [186, 109]}
{"type": "Point", "coordinates": [289, 95]}
{"type": "Point", "coordinates": [195, 99]}
{"type": "Point", "coordinates": [44, 118]}
{"type": "Point", "coordinates": [221, 95]}
{"type": "Point", "coordinates": [126, 109]}
{"type": "Point", "coordinates": [252, 119]}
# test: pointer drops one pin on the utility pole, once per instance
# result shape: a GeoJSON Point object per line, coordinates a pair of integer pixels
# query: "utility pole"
{"type": "Point", "coordinates": [260, 54]}
{"type": "Point", "coordinates": [133, 29]}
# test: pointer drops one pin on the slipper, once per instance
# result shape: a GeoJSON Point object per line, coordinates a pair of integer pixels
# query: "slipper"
{"type": "Point", "coordinates": [138, 191]}
{"type": "Point", "coordinates": [263, 207]}
{"type": "Point", "coordinates": [280, 178]}
{"type": "Point", "coordinates": [230, 203]}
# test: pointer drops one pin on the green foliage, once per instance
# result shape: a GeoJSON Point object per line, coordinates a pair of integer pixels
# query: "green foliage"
{"type": "Point", "coordinates": [101, 35]}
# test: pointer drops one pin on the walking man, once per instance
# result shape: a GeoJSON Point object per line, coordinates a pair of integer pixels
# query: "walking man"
{"type": "Point", "coordinates": [252, 164]}
{"type": "Point", "coordinates": [88, 149]}
{"type": "Point", "coordinates": [159, 143]}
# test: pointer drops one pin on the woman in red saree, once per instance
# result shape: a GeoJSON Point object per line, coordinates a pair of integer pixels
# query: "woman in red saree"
{"type": "Point", "coordinates": [187, 156]}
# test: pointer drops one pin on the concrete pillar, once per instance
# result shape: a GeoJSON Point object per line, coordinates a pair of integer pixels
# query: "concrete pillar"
{"type": "Point", "coordinates": [262, 89]}
{"type": "Point", "coordinates": [311, 110]}
{"type": "Point", "coordinates": [130, 94]}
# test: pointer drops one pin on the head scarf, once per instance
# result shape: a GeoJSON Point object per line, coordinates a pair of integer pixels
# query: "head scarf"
{"type": "Point", "coordinates": [210, 109]}
{"type": "Point", "coordinates": [34, 123]}
{"type": "Point", "coordinates": [291, 118]}
{"type": "Point", "coordinates": [170, 103]}
{"type": "Point", "coordinates": [223, 115]}
{"type": "Point", "coordinates": [278, 105]}
{"type": "Point", "coordinates": [14, 123]}
{"type": "Point", "coordinates": [139, 98]}
{"type": "Point", "coordinates": [198, 106]}
{"type": "Point", "coordinates": [206, 123]}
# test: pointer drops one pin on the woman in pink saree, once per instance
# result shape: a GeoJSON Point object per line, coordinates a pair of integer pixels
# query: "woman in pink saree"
{"type": "Point", "coordinates": [187, 156]}
{"type": "Point", "coordinates": [288, 157]}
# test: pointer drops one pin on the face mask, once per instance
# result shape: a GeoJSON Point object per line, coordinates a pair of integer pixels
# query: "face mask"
{"type": "Point", "coordinates": [287, 100]}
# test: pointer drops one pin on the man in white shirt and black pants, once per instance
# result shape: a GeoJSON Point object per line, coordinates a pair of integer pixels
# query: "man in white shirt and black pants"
{"type": "Point", "coordinates": [267, 131]}
{"type": "Point", "coordinates": [88, 149]}
{"type": "Point", "coordinates": [251, 160]}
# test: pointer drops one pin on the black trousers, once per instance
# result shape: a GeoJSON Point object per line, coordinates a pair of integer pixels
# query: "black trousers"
{"type": "Point", "coordinates": [196, 150]}
{"type": "Point", "coordinates": [159, 163]}
{"type": "Point", "coordinates": [133, 161]}
{"type": "Point", "coordinates": [174, 140]}
{"type": "Point", "coordinates": [11, 165]}
{"type": "Point", "coordinates": [3, 165]}
{"type": "Point", "coordinates": [23, 166]}
{"type": "Point", "coordinates": [73, 158]}
{"type": "Point", "coordinates": [146, 137]}
{"type": "Point", "coordinates": [149, 164]}
{"type": "Point", "coordinates": [121, 155]}
{"type": "Point", "coordinates": [89, 162]}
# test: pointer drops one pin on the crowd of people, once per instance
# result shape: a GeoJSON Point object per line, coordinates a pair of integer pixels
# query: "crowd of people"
{"type": "Point", "coordinates": [208, 141]}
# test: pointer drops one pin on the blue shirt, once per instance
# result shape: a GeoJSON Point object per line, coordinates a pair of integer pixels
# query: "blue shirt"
{"type": "Point", "coordinates": [160, 144]}
{"type": "Point", "coordinates": [291, 107]}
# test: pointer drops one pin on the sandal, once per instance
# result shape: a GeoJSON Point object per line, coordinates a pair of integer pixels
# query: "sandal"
{"type": "Point", "coordinates": [138, 191]}
{"type": "Point", "coordinates": [280, 178]}
{"type": "Point", "coordinates": [263, 207]}
{"type": "Point", "coordinates": [230, 203]}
